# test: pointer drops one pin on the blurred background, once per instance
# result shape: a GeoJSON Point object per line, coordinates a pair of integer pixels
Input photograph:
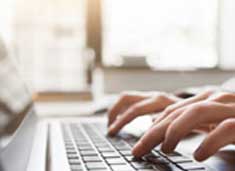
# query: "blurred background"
{"type": "Point", "coordinates": [76, 47]}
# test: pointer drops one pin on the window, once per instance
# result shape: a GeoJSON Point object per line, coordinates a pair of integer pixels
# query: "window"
{"type": "Point", "coordinates": [227, 35]}
{"type": "Point", "coordinates": [171, 34]}
{"type": "Point", "coordinates": [6, 19]}
{"type": "Point", "coordinates": [50, 37]}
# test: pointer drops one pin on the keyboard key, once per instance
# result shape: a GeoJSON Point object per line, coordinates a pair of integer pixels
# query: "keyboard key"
{"type": "Point", "coordinates": [126, 153]}
{"type": "Point", "coordinates": [81, 140]}
{"type": "Point", "coordinates": [114, 161]}
{"type": "Point", "coordinates": [113, 139]}
{"type": "Point", "coordinates": [110, 155]}
{"type": "Point", "coordinates": [179, 159]}
{"type": "Point", "coordinates": [92, 159]}
{"type": "Point", "coordinates": [70, 149]}
{"type": "Point", "coordinates": [99, 141]}
{"type": "Point", "coordinates": [105, 149]}
{"type": "Point", "coordinates": [88, 153]}
{"type": "Point", "coordinates": [82, 144]}
{"type": "Point", "coordinates": [70, 144]}
{"type": "Point", "coordinates": [119, 144]}
{"type": "Point", "coordinates": [96, 166]}
{"type": "Point", "coordinates": [72, 156]}
{"type": "Point", "coordinates": [76, 168]}
{"type": "Point", "coordinates": [101, 145]}
{"type": "Point", "coordinates": [71, 152]}
{"type": "Point", "coordinates": [158, 160]}
{"type": "Point", "coordinates": [74, 161]}
{"type": "Point", "coordinates": [191, 166]}
{"type": "Point", "coordinates": [121, 168]}
{"type": "Point", "coordinates": [88, 148]}
{"type": "Point", "coordinates": [125, 147]}
{"type": "Point", "coordinates": [141, 165]}
{"type": "Point", "coordinates": [168, 167]}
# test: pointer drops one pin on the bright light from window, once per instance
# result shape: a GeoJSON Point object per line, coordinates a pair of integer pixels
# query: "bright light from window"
{"type": "Point", "coordinates": [171, 34]}
{"type": "Point", "coordinates": [6, 18]}
{"type": "Point", "coordinates": [50, 38]}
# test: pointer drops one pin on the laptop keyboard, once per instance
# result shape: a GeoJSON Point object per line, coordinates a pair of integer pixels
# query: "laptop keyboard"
{"type": "Point", "coordinates": [89, 149]}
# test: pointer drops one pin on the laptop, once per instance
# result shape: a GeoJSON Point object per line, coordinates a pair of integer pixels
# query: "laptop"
{"type": "Point", "coordinates": [78, 144]}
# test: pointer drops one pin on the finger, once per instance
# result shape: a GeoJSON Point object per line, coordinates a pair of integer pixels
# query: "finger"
{"type": "Point", "coordinates": [183, 103]}
{"type": "Point", "coordinates": [153, 137]}
{"type": "Point", "coordinates": [125, 100]}
{"type": "Point", "coordinates": [176, 112]}
{"type": "Point", "coordinates": [221, 136]}
{"type": "Point", "coordinates": [143, 107]}
{"type": "Point", "coordinates": [192, 118]}
{"type": "Point", "coordinates": [223, 97]}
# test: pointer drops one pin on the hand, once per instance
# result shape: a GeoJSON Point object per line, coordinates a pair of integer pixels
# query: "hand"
{"type": "Point", "coordinates": [178, 121]}
{"type": "Point", "coordinates": [133, 104]}
{"type": "Point", "coordinates": [171, 108]}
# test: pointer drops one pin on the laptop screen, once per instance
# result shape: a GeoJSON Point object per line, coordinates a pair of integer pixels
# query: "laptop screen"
{"type": "Point", "coordinates": [17, 117]}
{"type": "Point", "coordinates": [15, 99]}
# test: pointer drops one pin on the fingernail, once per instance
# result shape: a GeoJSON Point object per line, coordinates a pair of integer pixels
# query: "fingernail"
{"type": "Point", "coordinates": [168, 146]}
{"type": "Point", "coordinates": [197, 154]}
{"type": "Point", "coordinates": [136, 151]}
{"type": "Point", "coordinates": [111, 129]}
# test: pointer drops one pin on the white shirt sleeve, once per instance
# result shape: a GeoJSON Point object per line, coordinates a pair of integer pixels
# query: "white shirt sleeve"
{"type": "Point", "coordinates": [229, 85]}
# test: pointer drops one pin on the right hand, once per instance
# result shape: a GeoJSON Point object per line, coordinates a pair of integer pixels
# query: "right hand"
{"type": "Point", "coordinates": [133, 104]}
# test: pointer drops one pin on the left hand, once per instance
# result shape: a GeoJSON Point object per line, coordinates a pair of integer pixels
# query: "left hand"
{"type": "Point", "coordinates": [218, 109]}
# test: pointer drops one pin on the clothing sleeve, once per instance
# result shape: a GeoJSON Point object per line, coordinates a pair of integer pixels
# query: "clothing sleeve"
{"type": "Point", "coordinates": [229, 85]}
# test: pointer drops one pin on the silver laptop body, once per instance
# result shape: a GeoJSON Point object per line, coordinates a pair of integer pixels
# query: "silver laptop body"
{"type": "Point", "coordinates": [23, 139]}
